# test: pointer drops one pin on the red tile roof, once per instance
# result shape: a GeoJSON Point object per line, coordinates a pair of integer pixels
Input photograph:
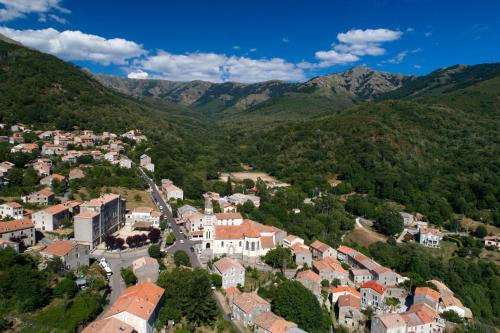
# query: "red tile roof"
{"type": "Point", "coordinates": [226, 263]}
{"type": "Point", "coordinates": [309, 275]}
{"type": "Point", "coordinates": [56, 209]}
{"type": "Point", "coordinates": [345, 290]}
{"type": "Point", "coordinates": [380, 289]}
{"type": "Point", "coordinates": [248, 302]}
{"type": "Point", "coordinates": [346, 250]}
{"type": "Point", "coordinates": [140, 300]}
{"type": "Point", "coordinates": [426, 291]}
{"type": "Point", "coordinates": [349, 300]}
{"type": "Point", "coordinates": [320, 246]}
{"type": "Point", "coordinates": [109, 325]}
{"type": "Point", "coordinates": [246, 229]}
{"type": "Point", "coordinates": [273, 323]}
{"type": "Point", "coordinates": [228, 216]}
{"type": "Point", "coordinates": [60, 248]}
{"type": "Point", "coordinates": [14, 225]}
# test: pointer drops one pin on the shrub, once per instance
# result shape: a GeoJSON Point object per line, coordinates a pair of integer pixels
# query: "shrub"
{"type": "Point", "coordinates": [128, 276]}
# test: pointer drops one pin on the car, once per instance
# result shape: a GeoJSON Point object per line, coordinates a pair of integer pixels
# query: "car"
{"type": "Point", "coordinates": [182, 241]}
{"type": "Point", "coordinates": [192, 249]}
{"type": "Point", "coordinates": [29, 249]}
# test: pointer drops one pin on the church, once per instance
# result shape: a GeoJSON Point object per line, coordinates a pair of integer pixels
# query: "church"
{"type": "Point", "coordinates": [230, 234]}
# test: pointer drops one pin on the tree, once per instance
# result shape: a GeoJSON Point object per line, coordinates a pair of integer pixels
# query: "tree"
{"type": "Point", "coordinates": [480, 231]}
{"type": "Point", "coordinates": [181, 258]}
{"type": "Point", "coordinates": [154, 235]}
{"type": "Point", "coordinates": [392, 303]}
{"type": "Point", "coordinates": [110, 241]}
{"type": "Point", "coordinates": [452, 316]}
{"type": "Point", "coordinates": [137, 198]}
{"type": "Point", "coordinates": [325, 283]}
{"type": "Point", "coordinates": [154, 251]}
{"type": "Point", "coordinates": [229, 187]}
{"type": "Point", "coordinates": [294, 302]}
{"type": "Point", "coordinates": [55, 265]}
{"type": "Point", "coordinates": [389, 222]}
{"type": "Point", "coordinates": [216, 280]}
{"type": "Point", "coordinates": [279, 257]}
{"type": "Point", "coordinates": [170, 239]}
{"type": "Point", "coordinates": [128, 276]}
{"type": "Point", "coordinates": [249, 183]}
{"type": "Point", "coordinates": [67, 287]}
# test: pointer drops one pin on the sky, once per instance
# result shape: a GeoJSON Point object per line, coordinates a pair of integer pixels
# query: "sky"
{"type": "Point", "coordinates": [252, 41]}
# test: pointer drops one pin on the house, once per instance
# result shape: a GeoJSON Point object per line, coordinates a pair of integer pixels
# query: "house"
{"type": "Point", "coordinates": [373, 295]}
{"type": "Point", "coordinates": [345, 253]}
{"type": "Point", "coordinates": [360, 276]}
{"type": "Point", "coordinates": [349, 314]}
{"type": "Point", "coordinates": [143, 218]}
{"type": "Point", "coordinates": [11, 210]}
{"type": "Point", "coordinates": [47, 181]}
{"type": "Point", "coordinates": [19, 231]}
{"type": "Point", "coordinates": [7, 243]}
{"type": "Point", "coordinates": [171, 191]}
{"type": "Point", "coordinates": [330, 269]}
{"type": "Point", "coordinates": [145, 162]}
{"type": "Point", "coordinates": [50, 218]}
{"type": "Point", "coordinates": [429, 237]}
{"type": "Point", "coordinates": [408, 219]}
{"type": "Point", "coordinates": [138, 306]}
{"type": "Point", "coordinates": [301, 254]}
{"type": "Point", "coordinates": [248, 306]}
{"type": "Point", "coordinates": [268, 322]}
{"type": "Point", "coordinates": [98, 218]}
{"type": "Point", "coordinates": [6, 166]}
{"type": "Point", "coordinates": [76, 173]}
{"type": "Point", "coordinates": [229, 218]}
{"type": "Point", "coordinates": [441, 287]}
{"type": "Point", "coordinates": [125, 163]}
{"type": "Point", "coordinates": [146, 269]}
{"type": "Point", "coordinates": [212, 196]}
{"type": "Point", "coordinates": [109, 325]}
{"type": "Point", "coordinates": [185, 211]}
{"type": "Point", "coordinates": [111, 156]}
{"type": "Point", "coordinates": [419, 318]}
{"type": "Point", "coordinates": [450, 302]}
{"type": "Point", "coordinates": [241, 199]}
{"type": "Point", "coordinates": [426, 295]}
{"type": "Point", "coordinates": [336, 292]}
{"type": "Point", "coordinates": [231, 271]}
{"type": "Point", "coordinates": [321, 250]}
{"type": "Point", "coordinates": [291, 240]}
{"type": "Point", "coordinates": [493, 241]}
{"type": "Point", "coordinates": [310, 280]}
{"type": "Point", "coordinates": [231, 294]}
{"type": "Point", "coordinates": [72, 254]}
{"type": "Point", "coordinates": [43, 197]}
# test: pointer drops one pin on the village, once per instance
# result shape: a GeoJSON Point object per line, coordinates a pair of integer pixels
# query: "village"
{"type": "Point", "coordinates": [48, 223]}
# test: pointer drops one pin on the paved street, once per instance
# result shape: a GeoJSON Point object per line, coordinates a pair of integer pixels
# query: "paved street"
{"type": "Point", "coordinates": [188, 244]}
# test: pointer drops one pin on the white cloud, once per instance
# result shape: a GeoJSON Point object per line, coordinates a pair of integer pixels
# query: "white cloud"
{"type": "Point", "coordinates": [138, 74]}
{"type": "Point", "coordinates": [428, 34]}
{"type": "Point", "coordinates": [253, 49]}
{"type": "Point", "coordinates": [217, 68]}
{"type": "Point", "coordinates": [236, 47]}
{"type": "Point", "coordinates": [398, 58]}
{"type": "Point", "coordinates": [285, 40]}
{"type": "Point", "coordinates": [14, 9]}
{"type": "Point", "coordinates": [417, 66]}
{"type": "Point", "coordinates": [410, 29]}
{"type": "Point", "coordinates": [76, 45]}
{"type": "Point", "coordinates": [354, 44]}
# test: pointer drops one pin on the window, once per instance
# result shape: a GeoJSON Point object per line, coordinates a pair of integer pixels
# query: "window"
{"type": "Point", "coordinates": [247, 246]}
{"type": "Point", "coordinates": [222, 244]}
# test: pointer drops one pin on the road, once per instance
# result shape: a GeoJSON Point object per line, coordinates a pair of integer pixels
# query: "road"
{"type": "Point", "coordinates": [188, 244]}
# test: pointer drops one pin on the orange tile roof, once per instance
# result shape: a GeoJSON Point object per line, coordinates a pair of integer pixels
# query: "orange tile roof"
{"type": "Point", "coordinates": [273, 323]}
{"type": "Point", "coordinates": [56, 209]}
{"type": "Point", "coordinates": [58, 177]}
{"type": "Point", "coordinates": [228, 216]}
{"type": "Point", "coordinates": [346, 290]}
{"type": "Point", "coordinates": [231, 291]}
{"type": "Point", "coordinates": [246, 229]}
{"type": "Point", "coordinates": [247, 302]}
{"type": "Point", "coordinates": [299, 248]}
{"type": "Point", "coordinates": [109, 325]}
{"type": "Point", "coordinates": [450, 300]}
{"type": "Point", "coordinates": [346, 250]}
{"type": "Point", "coordinates": [426, 291]}
{"type": "Point", "coordinates": [87, 214]}
{"type": "Point", "coordinates": [14, 225]}
{"type": "Point", "coordinates": [349, 300]}
{"type": "Point", "coordinates": [392, 320]}
{"type": "Point", "coordinates": [46, 192]}
{"type": "Point", "coordinates": [143, 210]}
{"type": "Point", "coordinates": [226, 264]}
{"type": "Point", "coordinates": [12, 205]}
{"type": "Point", "coordinates": [309, 275]}
{"type": "Point", "coordinates": [143, 261]}
{"type": "Point", "coordinates": [267, 242]}
{"type": "Point", "coordinates": [329, 264]}
{"type": "Point", "coordinates": [140, 300]}
{"type": "Point", "coordinates": [60, 248]}
{"type": "Point", "coordinates": [374, 286]}
{"type": "Point", "coordinates": [320, 246]}
{"type": "Point", "coordinates": [441, 287]}
{"type": "Point", "coordinates": [424, 312]}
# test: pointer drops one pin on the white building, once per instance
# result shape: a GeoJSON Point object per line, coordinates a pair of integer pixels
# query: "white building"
{"type": "Point", "coordinates": [11, 210]}
{"type": "Point", "coordinates": [231, 271]}
{"type": "Point", "coordinates": [429, 237]}
{"type": "Point", "coordinates": [143, 217]}
{"type": "Point", "coordinates": [171, 191]}
{"type": "Point", "coordinates": [50, 218]}
{"type": "Point", "coordinates": [241, 199]}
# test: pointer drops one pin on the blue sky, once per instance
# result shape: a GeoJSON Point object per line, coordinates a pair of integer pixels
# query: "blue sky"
{"type": "Point", "coordinates": [249, 41]}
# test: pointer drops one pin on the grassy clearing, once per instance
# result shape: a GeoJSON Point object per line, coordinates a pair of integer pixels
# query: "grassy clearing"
{"type": "Point", "coordinates": [472, 225]}
{"type": "Point", "coordinates": [255, 279]}
{"type": "Point", "coordinates": [135, 198]}
{"type": "Point", "coordinates": [364, 236]}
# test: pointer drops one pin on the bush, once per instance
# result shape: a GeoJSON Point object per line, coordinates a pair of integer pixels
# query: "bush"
{"type": "Point", "coordinates": [181, 258]}
{"type": "Point", "coordinates": [67, 287]}
{"type": "Point", "coordinates": [170, 239]}
{"type": "Point", "coordinates": [480, 231]}
{"type": "Point", "coordinates": [155, 251]}
{"type": "Point", "coordinates": [128, 276]}
{"type": "Point", "coordinates": [154, 235]}
{"type": "Point", "coordinates": [452, 316]}
{"type": "Point", "coordinates": [216, 280]}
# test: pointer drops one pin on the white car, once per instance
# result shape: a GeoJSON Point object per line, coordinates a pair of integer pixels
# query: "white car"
{"type": "Point", "coordinates": [182, 241]}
